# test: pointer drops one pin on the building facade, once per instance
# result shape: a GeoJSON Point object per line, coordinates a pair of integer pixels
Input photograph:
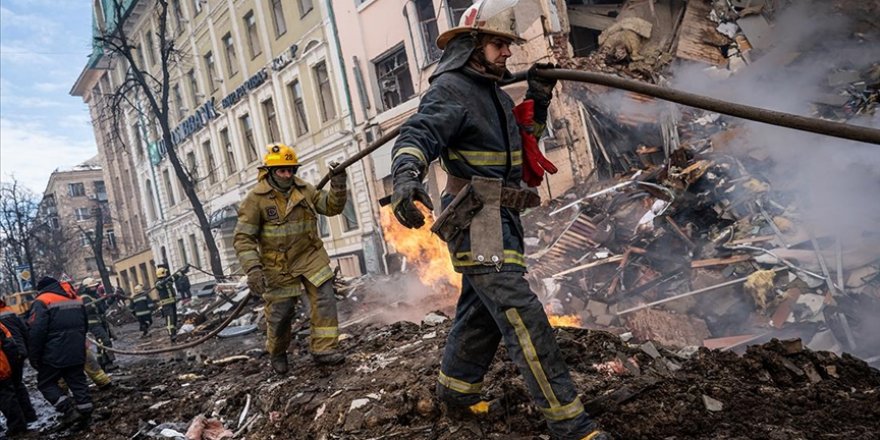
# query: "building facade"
{"type": "Point", "coordinates": [72, 200]}
{"type": "Point", "coordinates": [250, 73]}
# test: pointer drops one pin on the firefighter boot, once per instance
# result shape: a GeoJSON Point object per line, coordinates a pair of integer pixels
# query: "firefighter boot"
{"type": "Point", "coordinates": [329, 358]}
{"type": "Point", "coordinates": [279, 364]}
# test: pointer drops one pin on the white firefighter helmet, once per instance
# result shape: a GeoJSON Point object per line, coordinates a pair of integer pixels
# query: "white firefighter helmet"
{"type": "Point", "coordinates": [494, 17]}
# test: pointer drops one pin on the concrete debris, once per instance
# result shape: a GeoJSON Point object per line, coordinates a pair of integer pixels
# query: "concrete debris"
{"type": "Point", "coordinates": [712, 404]}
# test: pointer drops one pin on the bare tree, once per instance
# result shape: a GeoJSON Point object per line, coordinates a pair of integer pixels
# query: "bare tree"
{"type": "Point", "coordinates": [97, 242]}
{"type": "Point", "coordinates": [139, 85]}
{"type": "Point", "coordinates": [18, 216]}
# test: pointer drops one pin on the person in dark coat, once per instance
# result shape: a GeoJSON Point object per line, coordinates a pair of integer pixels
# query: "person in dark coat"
{"type": "Point", "coordinates": [9, 406]}
{"type": "Point", "coordinates": [167, 296]}
{"type": "Point", "coordinates": [468, 123]}
{"type": "Point", "coordinates": [183, 287]}
{"type": "Point", "coordinates": [19, 331]}
{"type": "Point", "coordinates": [58, 326]}
{"type": "Point", "coordinates": [142, 307]}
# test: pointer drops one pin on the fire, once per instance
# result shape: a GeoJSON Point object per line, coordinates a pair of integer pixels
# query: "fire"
{"type": "Point", "coordinates": [564, 320]}
{"type": "Point", "coordinates": [424, 252]}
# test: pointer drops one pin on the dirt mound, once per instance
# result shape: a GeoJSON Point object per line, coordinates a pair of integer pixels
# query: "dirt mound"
{"type": "Point", "coordinates": [778, 390]}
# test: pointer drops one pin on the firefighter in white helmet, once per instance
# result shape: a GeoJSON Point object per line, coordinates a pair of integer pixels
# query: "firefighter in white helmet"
{"type": "Point", "coordinates": [468, 123]}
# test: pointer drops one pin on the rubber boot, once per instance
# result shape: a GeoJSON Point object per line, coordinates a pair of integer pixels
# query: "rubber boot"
{"type": "Point", "coordinates": [329, 358]}
{"type": "Point", "coordinates": [279, 364]}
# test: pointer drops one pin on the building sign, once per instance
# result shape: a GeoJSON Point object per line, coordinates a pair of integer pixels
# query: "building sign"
{"type": "Point", "coordinates": [25, 279]}
{"type": "Point", "coordinates": [285, 58]}
{"type": "Point", "coordinates": [252, 83]}
{"type": "Point", "coordinates": [184, 130]}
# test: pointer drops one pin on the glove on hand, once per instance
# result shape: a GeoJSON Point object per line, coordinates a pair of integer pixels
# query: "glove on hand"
{"type": "Point", "coordinates": [534, 162]}
{"type": "Point", "coordinates": [257, 281]}
{"type": "Point", "coordinates": [185, 269]}
{"type": "Point", "coordinates": [339, 178]}
{"type": "Point", "coordinates": [540, 90]}
{"type": "Point", "coordinates": [408, 189]}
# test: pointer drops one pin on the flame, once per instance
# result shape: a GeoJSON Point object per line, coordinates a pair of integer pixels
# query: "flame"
{"type": "Point", "coordinates": [564, 320]}
{"type": "Point", "coordinates": [424, 252]}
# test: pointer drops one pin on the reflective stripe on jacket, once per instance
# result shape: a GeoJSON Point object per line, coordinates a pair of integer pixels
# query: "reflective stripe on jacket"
{"type": "Point", "coordinates": [58, 327]}
{"type": "Point", "coordinates": [466, 121]}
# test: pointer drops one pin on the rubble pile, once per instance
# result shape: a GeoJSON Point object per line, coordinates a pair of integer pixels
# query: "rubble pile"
{"type": "Point", "coordinates": [696, 231]}
{"type": "Point", "coordinates": [385, 390]}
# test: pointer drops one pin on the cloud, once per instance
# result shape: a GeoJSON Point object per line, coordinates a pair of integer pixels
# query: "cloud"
{"type": "Point", "coordinates": [15, 53]}
{"type": "Point", "coordinates": [48, 87]}
{"type": "Point", "coordinates": [31, 153]}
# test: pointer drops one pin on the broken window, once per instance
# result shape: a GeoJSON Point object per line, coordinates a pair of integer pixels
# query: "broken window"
{"type": "Point", "coordinates": [212, 72]}
{"type": "Point", "coordinates": [395, 82]}
{"type": "Point", "coordinates": [322, 78]}
{"type": "Point", "coordinates": [230, 155]}
{"type": "Point", "coordinates": [166, 177]}
{"type": "Point", "coordinates": [209, 158]}
{"type": "Point", "coordinates": [299, 108]}
{"type": "Point", "coordinates": [150, 48]}
{"type": "Point", "coordinates": [305, 6]}
{"type": "Point", "coordinates": [250, 145]}
{"type": "Point", "coordinates": [455, 9]}
{"type": "Point", "coordinates": [271, 120]}
{"type": "Point", "coordinates": [231, 57]}
{"type": "Point", "coordinates": [193, 87]}
{"type": "Point", "coordinates": [428, 29]}
{"type": "Point", "coordinates": [250, 23]}
{"type": "Point", "coordinates": [278, 18]}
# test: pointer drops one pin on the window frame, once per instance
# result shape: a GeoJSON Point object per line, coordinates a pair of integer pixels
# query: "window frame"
{"type": "Point", "coordinates": [76, 189]}
{"type": "Point", "coordinates": [271, 118]}
{"type": "Point", "coordinates": [231, 56]}
{"type": "Point", "coordinates": [298, 104]}
{"type": "Point", "coordinates": [248, 138]}
{"type": "Point", "coordinates": [321, 85]}
{"type": "Point", "coordinates": [278, 17]}
{"type": "Point", "coordinates": [253, 34]}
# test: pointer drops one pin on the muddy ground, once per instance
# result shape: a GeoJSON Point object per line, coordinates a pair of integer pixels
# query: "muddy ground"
{"type": "Point", "coordinates": [384, 391]}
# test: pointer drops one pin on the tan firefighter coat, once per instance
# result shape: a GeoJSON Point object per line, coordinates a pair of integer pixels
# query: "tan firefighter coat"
{"type": "Point", "coordinates": [280, 233]}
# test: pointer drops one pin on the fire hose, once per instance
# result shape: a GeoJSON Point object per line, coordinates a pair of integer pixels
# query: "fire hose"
{"type": "Point", "coordinates": [781, 119]}
{"type": "Point", "coordinates": [235, 312]}
{"type": "Point", "coordinates": [772, 117]}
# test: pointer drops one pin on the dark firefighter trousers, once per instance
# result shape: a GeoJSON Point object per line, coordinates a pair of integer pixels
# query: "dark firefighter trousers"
{"type": "Point", "coordinates": [75, 379]}
{"type": "Point", "coordinates": [500, 305]}
{"type": "Point", "coordinates": [99, 331]}
{"type": "Point", "coordinates": [11, 409]}
{"type": "Point", "coordinates": [324, 325]}
{"type": "Point", "coordinates": [169, 312]}
{"type": "Point", "coordinates": [145, 321]}
{"type": "Point", "coordinates": [21, 391]}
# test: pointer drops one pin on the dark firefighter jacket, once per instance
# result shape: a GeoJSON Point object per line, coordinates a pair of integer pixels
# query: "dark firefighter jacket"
{"type": "Point", "coordinates": [165, 289]}
{"type": "Point", "coordinates": [17, 327]}
{"type": "Point", "coordinates": [58, 327]}
{"type": "Point", "coordinates": [94, 307]}
{"type": "Point", "coordinates": [140, 304]}
{"type": "Point", "coordinates": [466, 121]}
{"type": "Point", "coordinates": [280, 233]}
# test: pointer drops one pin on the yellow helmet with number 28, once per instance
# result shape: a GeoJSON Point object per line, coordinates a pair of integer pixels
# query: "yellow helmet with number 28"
{"type": "Point", "coordinates": [280, 155]}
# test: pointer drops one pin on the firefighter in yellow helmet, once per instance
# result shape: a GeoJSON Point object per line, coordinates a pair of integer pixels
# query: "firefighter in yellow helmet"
{"type": "Point", "coordinates": [277, 243]}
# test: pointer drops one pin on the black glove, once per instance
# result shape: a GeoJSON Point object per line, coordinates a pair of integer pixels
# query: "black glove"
{"type": "Point", "coordinates": [339, 178]}
{"type": "Point", "coordinates": [257, 281]}
{"type": "Point", "coordinates": [408, 189]}
{"type": "Point", "coordinates": [185, 268]}
{"type": "Point", "coordinates": [540, 90]}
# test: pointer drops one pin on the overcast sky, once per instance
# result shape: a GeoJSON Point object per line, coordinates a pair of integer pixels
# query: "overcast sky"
{"type": "Point", "coordinates": [44, 45]}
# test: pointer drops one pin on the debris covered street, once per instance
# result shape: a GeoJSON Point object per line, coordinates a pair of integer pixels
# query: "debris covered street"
{"type": "Point", "coordinates": [706, 276]}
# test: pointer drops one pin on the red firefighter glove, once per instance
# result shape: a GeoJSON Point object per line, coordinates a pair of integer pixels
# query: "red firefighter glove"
{"type": "Point", "coordinates": [534, 162]}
